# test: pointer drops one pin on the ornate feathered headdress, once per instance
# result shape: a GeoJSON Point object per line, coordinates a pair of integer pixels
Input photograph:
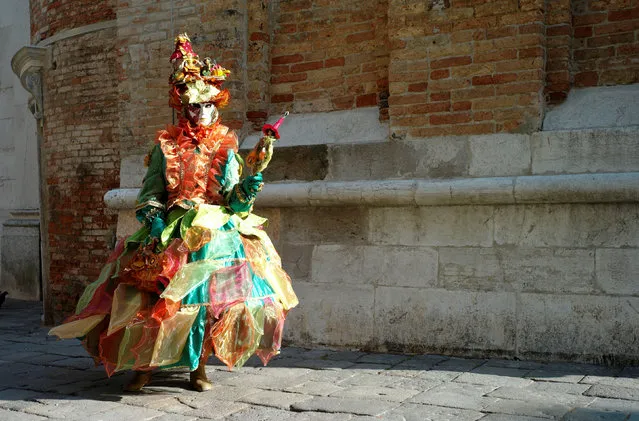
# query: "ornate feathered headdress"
{"type": "Point", "coordinates": [193, 80]}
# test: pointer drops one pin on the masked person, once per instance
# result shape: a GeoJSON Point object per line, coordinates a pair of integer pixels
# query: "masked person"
{"type": "Point", "coordinates": [200, 275]}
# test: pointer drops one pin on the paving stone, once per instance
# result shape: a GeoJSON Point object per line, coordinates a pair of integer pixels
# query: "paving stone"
{"type": "Point", "coordinates": [614, 392]}
{"type": "Point", "coordinates": [80, 363]}
{"type": "Point", "coordinates": [335, 376]}
{"type": "Point", "coordinates": [370, 368]}
{"type": "Point", "coordinates": [168, 404]}
{"type": "Point", "coordinates": [68, 407]}
{"type": "Point", "coordinates": [459, 364]}
{"type": "Point", "coordinates": [587, 414]}
{"type": "Point", "coordinates": [265, 382]}
{"type": "Point", "coordinates": [496, 376]}
{"type": "Point", "coordinates": [530, 394]}
{"type": "Point", "coordinates": [617, 405]}
{"type": "Point", "coordinates": [281, 372]}
{"type": "Point", "coordinates": [464, 396]}
{"type": "Point", "coordinates": [389, 359]}
{"type": "Point", "coordinates": [417, 383]}
{"type": "Point", "coordinates": [345, 355]}
{"type": "Point", "coordinates": [315, 388]}
{"type": "Point", "coordinates": [553, 387]}
{"type": "Point", "coordinates": [223, 393]}
{"type": "Point", "coordinates": [21, 356]}
{"type": "Point", "coordinates": [261, 413]}
{"type": "Point", "coordinates": [537, 409]}
{"type": "Point", "coordinates": [502, 417]}
{"type": "Point", "coordinates": [366, 379]}
{"type": "Point", "coordinates": [275, 399]}
{"type": "Point", "coordinates": [17, 399]}
{"type": "Point", "coordinates": [612, 381]}
{"type": "Point", "coordinates": [324, 364]}
{"type": "Point", "coordinates": [6, 415]}
{"type": "Point", "coordinates": [440, 375]}
{"type": "Point", "coordinates": [415, 412]}
{"type": "Point", "coordinates": [376, 392]}
{"type": "Point", "coordinates": [351, 406]}
{"type": "Point", "coordinates": [555, 376]}
{"type": "Point", "coordinates": [322, 416]}
{"type": "Point", "coordinates": [175, 417]}
{"type": "Point", "coordinates": [121, 412]}
{"type": "Point", "coordinates": [528, 365]}
{"type": "Point", "coordinates": [216, 409]}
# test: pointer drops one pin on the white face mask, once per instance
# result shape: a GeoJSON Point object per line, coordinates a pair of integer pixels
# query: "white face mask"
{"type": "Point", "coordinates": [202, 114]}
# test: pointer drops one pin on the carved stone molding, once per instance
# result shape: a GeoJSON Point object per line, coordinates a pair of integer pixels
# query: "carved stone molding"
{"type": "Point", "coordinates": [28, 64]}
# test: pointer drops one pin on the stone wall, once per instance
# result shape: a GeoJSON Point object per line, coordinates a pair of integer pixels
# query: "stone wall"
{"type": "Point", "coordinates": [458, 89]}
{"type": "Point", "coordinates": [81, 159]}
{"type": "Point", "coordinates": [540, 276]}
{"type": "Point", "coordinates": [18, 143]}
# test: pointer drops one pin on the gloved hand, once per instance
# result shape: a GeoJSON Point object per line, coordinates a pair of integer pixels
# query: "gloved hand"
{"type": "Point", "coordinates": [252, 184]}
{"type": "Point", "coordinates": [157, 226]}
{"type": "Point", "coordinates": [243, 194]}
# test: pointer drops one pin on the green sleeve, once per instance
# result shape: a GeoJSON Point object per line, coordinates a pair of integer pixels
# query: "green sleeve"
{"type": "Point", "coordinates": [151, 201]}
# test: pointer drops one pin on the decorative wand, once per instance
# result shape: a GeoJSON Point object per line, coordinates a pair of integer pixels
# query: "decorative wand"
{"type": "Point", "coordinates": [258, 159]}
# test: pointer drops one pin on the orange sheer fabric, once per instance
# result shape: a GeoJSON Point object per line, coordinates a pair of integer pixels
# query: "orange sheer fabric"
{"type": "Point", "coordinates": [194, 157]}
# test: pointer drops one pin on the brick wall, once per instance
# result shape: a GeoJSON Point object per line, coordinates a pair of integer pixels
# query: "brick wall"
{"type": "Point", "coordinates": [145, 43]}
{"type": "Point", "coordinates": [48, 17]}
{"type": "Point", "coordinates": [606, 42]}
{"type": "Point", "coordinates": [330, 56]}
{"type": "Point", "coordinates": [465, 67]}
{"type": "Point", "coordinates": [81, 155]}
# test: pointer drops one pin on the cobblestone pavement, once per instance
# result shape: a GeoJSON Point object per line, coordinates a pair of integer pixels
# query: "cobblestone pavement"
{"type": "Point", "coordinates": [44, 378]}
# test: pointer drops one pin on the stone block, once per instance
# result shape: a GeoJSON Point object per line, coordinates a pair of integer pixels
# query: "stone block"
{"type": "Point", "coordinates": [432, 226]}
{"type": "Point", "coordinates": [296, 260]}
{"type": "Point", "coordinates": [350, 126]}
{"type": "Point", "coordinates": [618, 271]}
{"type": "Point", "coordinates": [570, 225]}
{"type": "Point", "coordinates": [377, 265]}
{"type": "Point", "coordinates": [132, 171]}
{"type": "Point", "coordinates": [499, 155]}
{"type": "Point", "coordinates": [594, 327]}
{"type": "Point", "coordinates": [517, 268]}
{"type": "Point", "coordinates": [443, 157]}
{"type": "Point", "coordinates": [20, 259]}
{"type": "Point", "coordinates": [341, 315]}
{"type": "Point", "coordinates": [585, 151]}
{"type": "Point", "coordinates": [127, 223]}
{"type": "Point", "coordinates": [324, 225]}
{"type": "Point", "coordinates": [374, 161]}
{"type": "Point", "coordinates": [437, 320]}
{"type": "Point", "coordinates": [272, 226]}
{"type": "Point", "coordinates": [600, 106]}
{"type": "Point", "coordinates": [303, 163]}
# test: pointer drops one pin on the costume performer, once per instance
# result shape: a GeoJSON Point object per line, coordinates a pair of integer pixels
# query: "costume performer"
{"type": "Point", "coordinates": [200, 275]}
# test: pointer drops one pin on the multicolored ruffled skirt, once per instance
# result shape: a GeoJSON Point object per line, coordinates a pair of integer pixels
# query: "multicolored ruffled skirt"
{"type": "Point", "coordinates": [217, 286]}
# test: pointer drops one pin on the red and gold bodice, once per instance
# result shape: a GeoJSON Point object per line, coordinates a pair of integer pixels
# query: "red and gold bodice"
{"type": "Point", "coordinates": [195, 159]}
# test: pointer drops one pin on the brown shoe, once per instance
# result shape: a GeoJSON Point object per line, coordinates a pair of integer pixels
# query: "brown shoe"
{"type": "Point", "coordinates": [199, 381]}
{"type": "Point", "coordinates": [139, 380]}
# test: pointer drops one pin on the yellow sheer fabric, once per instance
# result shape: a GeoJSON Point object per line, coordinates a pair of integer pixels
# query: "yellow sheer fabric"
{"type": "Point", "coordinates": [127, 301]}
{"type": "Point", "coordinates": [77, 328]}
{"type": "Point", "coordinates": [172, 336]}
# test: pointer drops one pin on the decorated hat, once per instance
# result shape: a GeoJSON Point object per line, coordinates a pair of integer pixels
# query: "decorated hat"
{"type": "Point", "coordinates": [274, 128]}
{"type": "Point", "coordinates": [194, 80]}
